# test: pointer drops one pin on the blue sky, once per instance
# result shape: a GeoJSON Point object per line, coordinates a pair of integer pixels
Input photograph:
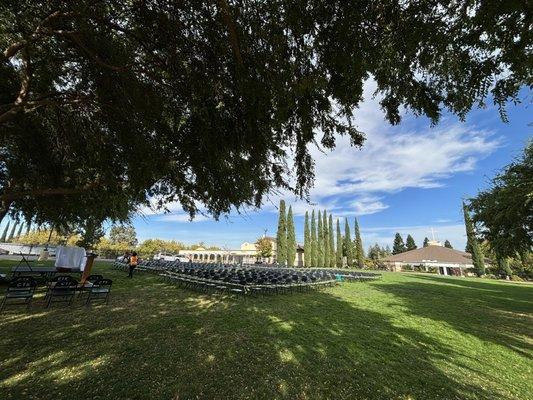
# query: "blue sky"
{"type": "Point", "coordinates": [408, 179]}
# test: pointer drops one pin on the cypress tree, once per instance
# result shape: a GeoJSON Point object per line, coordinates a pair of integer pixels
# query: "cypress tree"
{"type": "Point", "coordinates": [338, 258]}
{"type": "Point", "coordinates": [426, 242]}
{"type": "Point", "coordinates": [3, 239]}
{"type": "Point", "coordinates": [313, 241]}
{"type": "Point", "coordinates": [20, 230]}
{"type": "Point", "coordinates": [448, 244]}
{"type": "Point", "coordinates": [348, 245]}
{"type": "Point", "coordinates": [307, 242]}
{"type": "Point", "coordinates": [477, 255]}
{"type": "Point", "coordinates": [360, 253]}
{"type": "Point", "coordinates": [410, 243]}
{"type": "Point", "coordinates": [319, 243]}
{"type": "Point", "coordinates": [281, 237]}
{"type": "Point", "coordinates": [291, 239]}
{"type": "Point", "coordinates": [325, 238]}
{"type": "Point", "coordinates": [332, 260]}
{"type": "Point", "coordinates": [28, 227]}
{"type": "Point", "coordinates": [12, 233]}
{"type": "Point", "coordinates": [398, 245]}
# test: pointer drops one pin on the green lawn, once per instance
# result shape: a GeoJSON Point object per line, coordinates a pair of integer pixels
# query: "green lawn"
{"type": "Point", "coordinates": [404, 337]}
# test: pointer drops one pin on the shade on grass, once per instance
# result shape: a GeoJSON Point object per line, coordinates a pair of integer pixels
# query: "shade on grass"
{"type": "Point", "coordinates": [405, 337]}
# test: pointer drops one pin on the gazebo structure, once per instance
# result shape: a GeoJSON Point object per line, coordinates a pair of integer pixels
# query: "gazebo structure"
{"type": "Point", "coordinates": [447, 261]}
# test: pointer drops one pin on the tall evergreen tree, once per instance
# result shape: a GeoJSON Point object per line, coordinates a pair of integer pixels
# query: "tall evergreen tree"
{"type": "Point", "coordinates": [325, 238]}
{"type": "Point", "coordinates": [398, 246]}
{"type": "Point", "coordinates": [332, 257]}
{"type": "Point", "coordinates": [281, 236]}
{"type": "Point", "coordinates": [3, 239]}
{"type": "Point", "coordinates": [338, 255]}
{"type": "Point", "coordinates": [19, 233]}
{"type": "Point", "coordinates": [307, 241]}
{"type": "Point", "coordinates": [320, 243]}
{"type": "Point", "coordinates": [28, 227]}
{"type": "Point", "coordinates": [426, 242]}
{"type": "Point", "coordinates": [348, 244]}
{"type": "Point", "coordinates": [503, 266]}
{"type": "Point", "coordinates": [314, 262]}
{"type": "Point", "coordinates": [477, 255]}
{"type": "Point", "coordinates": [448, 244]}
{"type": "Point", "coordinates": [291, 239]}
{"type": "Point", "coordinates": [12, 233]}
{"type": "Point", "coordinates": [410, 243]}
{"type": "Point", "coordinates": [359, 251]}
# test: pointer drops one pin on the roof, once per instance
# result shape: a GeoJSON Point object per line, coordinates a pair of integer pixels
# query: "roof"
{"type": "Point", "coordinates": [432, 253]}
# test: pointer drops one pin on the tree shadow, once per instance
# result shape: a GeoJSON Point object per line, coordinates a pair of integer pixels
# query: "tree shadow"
{"type": "Point", "coordinates": [155, 340]}
{"type": "Point", "coordinates": [492, 311]}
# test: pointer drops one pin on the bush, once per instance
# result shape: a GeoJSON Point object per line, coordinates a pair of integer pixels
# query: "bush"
{"type": "Point", "coordinates": [407, 267]}
{"type": "Point", "coordinates": [516, 278]}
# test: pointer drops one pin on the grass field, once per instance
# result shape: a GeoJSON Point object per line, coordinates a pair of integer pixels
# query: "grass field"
{"type": "Point", "coordinates": [404, 337]}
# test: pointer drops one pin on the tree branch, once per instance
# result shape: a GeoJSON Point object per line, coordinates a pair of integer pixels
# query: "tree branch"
{"type": "Point", "coordinates": [232, 30]}
{"type": "Point", "coordinates": [44, 192]}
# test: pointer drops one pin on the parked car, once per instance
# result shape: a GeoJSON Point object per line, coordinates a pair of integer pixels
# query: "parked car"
{"type": "Point", "coordinates": [170, 257]}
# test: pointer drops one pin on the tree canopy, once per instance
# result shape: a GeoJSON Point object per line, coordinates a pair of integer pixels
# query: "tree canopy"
{"type": "Point", "coordinates": [105, 106]}
{"type": "Point", "coordinates": [503, 213]}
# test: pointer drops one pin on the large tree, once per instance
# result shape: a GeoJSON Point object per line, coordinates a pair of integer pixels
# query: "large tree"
{"type": "Point", "coordinates": [477, 254]}
{"type": "Point", "coordinates": [291, 239]}
{"type": "Point", "coordinates": [398, 245]}
{"type": "Point", "coordinates": [503, 213]}
{"type": "Point", "coordinates": [358, 245]}
{"type": "Point", "coordinates": [325, 238]}
{"type": "Point", "coordinates": [338, 255]}
{"type": "Point", "coordinates": [3, 239]}
{"type": "Point", "coordinates": [410, 243]}
{"type": "Point", "coordinates": [314, 241]}
{"type": "Point", "coordinates": [348, 244]}
{"type": "Point", "coordinates": [320, 242]}
{"type": "Point", "coordinates": [307, 241]}
{"type": "Point", "coordinates": [123, 234]}
{"type": "Point", "coordinates": [264, 247]}
{"type": "Point", "coordinates": [331, 239]}
{"type": "Point", "coordinates": [281, 236]}
{"type": "Point", "coordinates": [202, 102]}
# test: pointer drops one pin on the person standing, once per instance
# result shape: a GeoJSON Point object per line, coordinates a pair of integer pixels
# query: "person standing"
{"type": "Point", "coordinates": [132, 263]}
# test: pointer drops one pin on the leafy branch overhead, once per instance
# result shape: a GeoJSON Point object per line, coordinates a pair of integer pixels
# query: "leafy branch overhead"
{"type": "Point", "coordinates": [105, 105]}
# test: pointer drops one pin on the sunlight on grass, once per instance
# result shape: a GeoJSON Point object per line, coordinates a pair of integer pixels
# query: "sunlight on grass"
{"type": "Point", "coordinates": [404, 337]}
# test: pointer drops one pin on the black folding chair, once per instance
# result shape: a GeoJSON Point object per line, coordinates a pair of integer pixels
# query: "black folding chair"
{"type": "Point", "coordinates": [20, 288]}
{"type": "Point", "coordinates": [62, 291]}
{"type": "Point", "coordinates": [99, 290]}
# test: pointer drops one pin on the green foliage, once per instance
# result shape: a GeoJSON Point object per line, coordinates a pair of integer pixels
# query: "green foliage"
{"type": "Point", "coordinates": [477, 254]}
{"type": "Point", "coordinates": [348, 244]}
{"type": "Point", "coordinates": [150, 247]}
{"type": "Point", "coordinates": [377, 252]}
{"type": "Point", "coordinates": [291, 239]}
{"type": "Point", "coordinates": [410, 243]}
{"type": "Point", "coordinates": [314, 241]}
{"type": "Point", "coordinates": [340, 239]}
{"type": "Point", "coordinates": [331, 239]}
{"type": "Point", "coordinates": [325, 239]}
{"type": "Point", "coordinates": [134, 91]}
{"type": "Point", "coordinates": [358, 245]}
{"type": "Point", "coordinates": [504, 213]}
{"type": "Point", "coordinates": [448, 244]}
{"type": "Point", "coordinates": [123, 234]}
{"type": "Point", "coordinates": [264, 247]}
{"type": "Point", "coordinates": [307, 241]}
{"type": "Point", "coordinates": [281, 236]}
{"type": "Point", "coordinates": [398, 246]}
{"type": "Point", "coordinates": [320, 243]}
{"type": "Point", "coordinates": [12, 232]}
{"type": "Point", "coordinates": [426, 242]}
{"type": "Point", "coordinates": [3, 239]}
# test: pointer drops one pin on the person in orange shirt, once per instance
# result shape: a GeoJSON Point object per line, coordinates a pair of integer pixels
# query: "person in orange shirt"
{"type": "Point", "coordinates": [132, 263]}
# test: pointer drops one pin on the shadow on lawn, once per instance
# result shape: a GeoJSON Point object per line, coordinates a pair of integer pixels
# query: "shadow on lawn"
{"type": "Point", "coordinates": [157, 341]}
{"type": "Point", "coordinates": [492, 311]}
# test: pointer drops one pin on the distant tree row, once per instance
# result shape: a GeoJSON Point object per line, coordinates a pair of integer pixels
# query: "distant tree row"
{"type": "Point", "coordinates": [399, 246]}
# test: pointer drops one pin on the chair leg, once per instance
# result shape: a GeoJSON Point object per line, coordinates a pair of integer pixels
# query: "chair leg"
{"type": "Point", "coordinates": [49, 301]}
